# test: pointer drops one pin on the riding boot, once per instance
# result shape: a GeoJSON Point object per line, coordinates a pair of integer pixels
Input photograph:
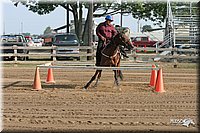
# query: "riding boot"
{"type": "Point", "coordinates": [98, 58]}
{"type": "Point", "coordinates": [98, 53]}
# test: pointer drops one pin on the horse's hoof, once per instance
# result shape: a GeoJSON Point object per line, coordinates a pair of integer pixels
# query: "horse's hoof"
{"type": "Point", "coordinates": [121, 78]}
{"type": "Point", "coordinates": [118, 88]}
{"type": "Point", "coordinates": [84, 88]}
{"type": "Point", "coordinates": [95, 86]}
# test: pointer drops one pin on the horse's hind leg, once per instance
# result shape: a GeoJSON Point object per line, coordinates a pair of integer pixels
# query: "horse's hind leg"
{"type": "Point", "coordinates": [92, 79]}
{"type": "Point", "coordinates": [98, 77]}
{"type": "Point", "coordinates": [120, 74]}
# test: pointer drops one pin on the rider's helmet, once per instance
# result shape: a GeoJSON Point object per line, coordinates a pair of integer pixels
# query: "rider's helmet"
{"type": "Point", "coordinates": [109, 17]}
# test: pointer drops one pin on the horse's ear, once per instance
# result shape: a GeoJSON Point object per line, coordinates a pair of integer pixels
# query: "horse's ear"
{"type": "Point", "coordinates": [120, 34]}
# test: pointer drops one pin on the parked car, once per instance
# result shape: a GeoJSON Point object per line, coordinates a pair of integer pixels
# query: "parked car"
{"type": "Point", "coordinates": [37, 42]}
{"type": "Point", "coordinates": [67, 43]}
{"type": "Point", "coordinates": [11, 40]}
{"type": "Point", "coordinates": [29, 40]}
{"type": "Point", "coordinates": [142, 41]}
{"type": "Point", "coordinates": [48, 39]}
{"type": "Point", "coordinates": [30, 43]}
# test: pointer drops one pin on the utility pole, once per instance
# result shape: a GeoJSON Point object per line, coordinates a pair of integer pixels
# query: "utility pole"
{"type": "Point", "coordinates": [138, 29]}
{"type": "Point", "coordinates": [121, 19]}
{"type": "Point", "coordinates": [4, 28]}
{"type": "Point", "coordinates": [67, 18]}
{"type": "Point", "coordinates": [21, 27]}
{"type": "Point", "coordinates": [121, 13]}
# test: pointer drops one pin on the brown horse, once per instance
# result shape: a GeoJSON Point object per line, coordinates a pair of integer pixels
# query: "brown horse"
{"type": "Point", "coordinates": [111, 57]}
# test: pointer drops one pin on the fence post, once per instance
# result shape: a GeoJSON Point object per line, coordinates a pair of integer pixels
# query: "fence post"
{"type": "Point", "coordinates": [15, 52]}
{"type": "Point", "coordinates": [134, 55]}
{"type": "Point", "coordinates": [175, 56]}
{"type": "Point", "coordinates": [157, 48]}
{"type": "Point", "coordinates": [54, 53]}
{"type": "Point", "coordinates": [93, 51]}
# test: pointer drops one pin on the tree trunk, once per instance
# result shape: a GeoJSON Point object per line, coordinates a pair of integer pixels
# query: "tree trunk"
{"type": "Point", "coordinates": [85, 32]}
{"type": "Point", "coordinates": [90, 28]}
{"type": "Point", "coordinates": [75, 14]}
{"type": "Point", "coordinates": [80, 28]}
{"type": "Point", "coordinates": [77, 20]}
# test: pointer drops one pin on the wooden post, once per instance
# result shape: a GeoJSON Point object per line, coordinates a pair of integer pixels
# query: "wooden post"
{"type": "Point", "coordinates": [54, 53]}
{"type": "Point", "coordinates": [157, 48]}
{"type": "Point", "coordinates": [15, 52]}
{"type": "Point", "coordinates": [175, 57]}
{"type": "Point", "coordinates": [134, 55]}
{"type": "Point", "coordinates": [93, 51]}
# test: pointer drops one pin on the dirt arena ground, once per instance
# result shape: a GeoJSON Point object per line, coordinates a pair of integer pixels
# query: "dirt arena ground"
{"type": "Point", "coordinates": [66, 107]}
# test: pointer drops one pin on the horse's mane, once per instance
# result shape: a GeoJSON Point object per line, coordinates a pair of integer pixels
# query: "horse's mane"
{"type": "Point", "coordinates": [111, 42]}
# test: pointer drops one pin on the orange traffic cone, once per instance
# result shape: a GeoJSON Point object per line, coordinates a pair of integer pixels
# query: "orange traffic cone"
{"type": "Point", "coordinates": [153, 77]}
{"type": "Point", "coordinates": [37, 83]}
{"type": "Point", "coordinates": [159, 82]}
{"type": "Point", "coordinates": [50, 78]}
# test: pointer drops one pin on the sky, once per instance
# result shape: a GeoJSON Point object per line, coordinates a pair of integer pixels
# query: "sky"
{"type": "Point", "coordinates": [20, 19]}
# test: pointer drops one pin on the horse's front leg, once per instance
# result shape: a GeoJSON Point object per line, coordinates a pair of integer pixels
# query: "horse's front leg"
{"type": "Point", "coordinates": [116, 77]}
{"type": "Point", "coordinates": [92, 79]}
{"type": "Point", "coordinates": [98, 78]}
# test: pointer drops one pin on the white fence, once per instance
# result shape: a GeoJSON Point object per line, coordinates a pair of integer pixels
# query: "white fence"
{"type": "Point", "coordinates": [50, 52]}
{"type": "Point", "coordinates": [89, 51]}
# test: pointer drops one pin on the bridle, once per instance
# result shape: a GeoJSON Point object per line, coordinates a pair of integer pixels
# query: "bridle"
{"type": "Point", "coordinates": [124, 42]}
{"type": "Point", "coordinates": [110, 57]}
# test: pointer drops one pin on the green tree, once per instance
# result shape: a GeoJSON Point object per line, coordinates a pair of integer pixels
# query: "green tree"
{"type": "Point", "coordinates": [26, 34]}
{"type": "Point", "coordinates": [75, 7]}
{"type": "Point", "coordinates": [155, 11]}
{"type": "Point", "coordinates": [48, 30]}
{"type": "Point", "coordinates": [146, 28]}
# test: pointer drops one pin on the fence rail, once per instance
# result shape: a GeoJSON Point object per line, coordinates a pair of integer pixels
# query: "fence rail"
{"type": "Point", "coordinates": [84, 52]}
{"type": "Point", "coordinates": [47, 51]}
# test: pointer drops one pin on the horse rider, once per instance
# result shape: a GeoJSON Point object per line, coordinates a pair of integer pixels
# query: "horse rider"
{"type": "Point", "coordinates": [105, 31]}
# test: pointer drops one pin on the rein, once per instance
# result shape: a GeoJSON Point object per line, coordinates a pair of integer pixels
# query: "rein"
{"type": "Point", "coordinates": [110, 56]}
